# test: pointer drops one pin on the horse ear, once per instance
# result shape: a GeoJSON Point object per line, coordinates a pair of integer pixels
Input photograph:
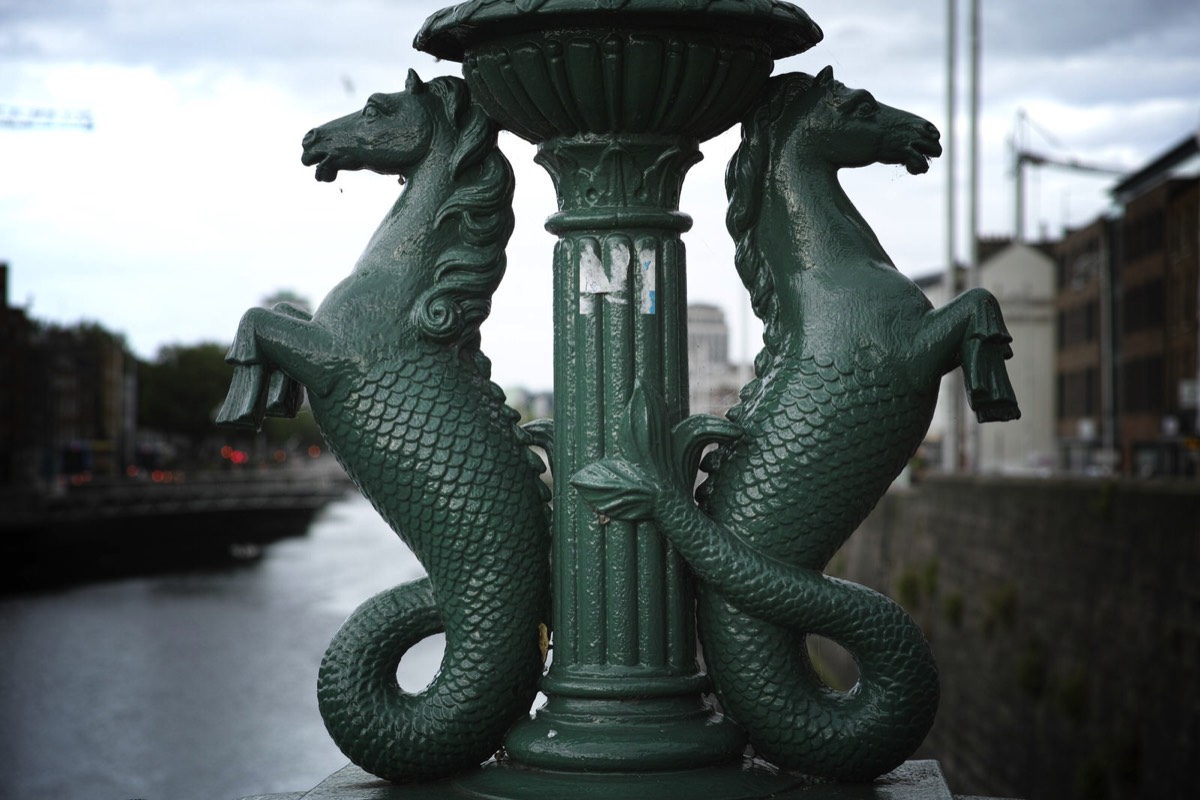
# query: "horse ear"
{"type": "Point", "coordinates": [414, 84]}
{"type": "Point", "coordinates": [825, 75]}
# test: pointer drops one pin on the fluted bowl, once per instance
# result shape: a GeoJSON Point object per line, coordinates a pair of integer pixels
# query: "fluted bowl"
{"type": "Point", "coordinates": [547, 68]}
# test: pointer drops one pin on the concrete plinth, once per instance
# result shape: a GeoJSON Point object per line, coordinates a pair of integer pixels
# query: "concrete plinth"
{"type": "Point", "coordinates": [914, 780]}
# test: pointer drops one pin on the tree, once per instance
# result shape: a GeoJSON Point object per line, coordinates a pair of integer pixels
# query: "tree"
{"type": "Point", "coordinates": [182, 389]}
{"type": "Point", "coordinates": [286, 296]}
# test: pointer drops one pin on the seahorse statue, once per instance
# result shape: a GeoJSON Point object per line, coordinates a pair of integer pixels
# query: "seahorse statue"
{"type": "Point", "coordinates": [843, 394]}
{"type": "Point", "coordinates": [396, 381]}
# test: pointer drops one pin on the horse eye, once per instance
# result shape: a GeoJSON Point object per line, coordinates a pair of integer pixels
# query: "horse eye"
{"type": "Point", "coordinates": [370, 112]}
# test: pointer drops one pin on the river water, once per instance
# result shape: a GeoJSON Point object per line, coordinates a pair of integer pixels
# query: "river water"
{"type": "Point", "coordinates": [196, 686]}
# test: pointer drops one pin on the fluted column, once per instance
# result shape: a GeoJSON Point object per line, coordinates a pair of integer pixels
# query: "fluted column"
{"type": "Point", "coordinates": [620, 291]}
{"type": "Point", "coordinates": [624, 632]}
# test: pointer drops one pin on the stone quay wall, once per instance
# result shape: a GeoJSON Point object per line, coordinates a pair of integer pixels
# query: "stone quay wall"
{"type": "Point", "coordinates": [1065, 618]}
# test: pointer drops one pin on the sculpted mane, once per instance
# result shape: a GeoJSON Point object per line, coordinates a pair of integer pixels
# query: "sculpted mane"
{"type": "Point", "coordinates": [470, 267]}
{"type": "Point", "coordinates": [744, 180]}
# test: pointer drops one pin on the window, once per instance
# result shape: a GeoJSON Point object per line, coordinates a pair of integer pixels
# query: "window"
{"type": "Point", "coordinates": [1143, 385]}
{"type": "Point", "coordinates": [1142, 307]}
{"type": "Point", "coordinates": [1079, 325]}
{"type": "Point", "coordinates": [1144, 235]}
{"type": "Point", "coordinates": [1079, 393]}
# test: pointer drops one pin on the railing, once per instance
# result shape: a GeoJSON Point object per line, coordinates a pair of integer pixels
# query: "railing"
{"type": "Point", "coordinates": [106, 499]}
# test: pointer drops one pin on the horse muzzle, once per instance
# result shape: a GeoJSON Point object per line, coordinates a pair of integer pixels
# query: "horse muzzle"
{"type": "Point", "coordinates": [924, 146]}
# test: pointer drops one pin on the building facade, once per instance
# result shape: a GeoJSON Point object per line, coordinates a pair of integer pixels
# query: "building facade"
{"type": "Point", "coordinates": [1021, 276]}
{"type": "Point", "coordinates": [68, 400]}
{"type": "Point", "coordinates": [713, 381]}
{"type": "Point", "coordinates": [19, 411]}
{"type": "Point", "coordinates": [1086, 412]}
{"type": "Point", "coordinates": [1158, 329]}
{"type": "Point", "coordinates": [1128, 336]}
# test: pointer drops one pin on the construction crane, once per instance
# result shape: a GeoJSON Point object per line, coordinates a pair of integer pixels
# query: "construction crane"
{"type": "Point", "coordinates": [1024, 157]}
{"type": "Point", "coordinates": [21, 118]}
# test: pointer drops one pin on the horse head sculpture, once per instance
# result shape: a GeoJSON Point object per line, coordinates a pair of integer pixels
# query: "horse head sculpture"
{"type": "Point", "coordinates": [401, 391]}
{"type": "Point", "coordinates": [843, 394]}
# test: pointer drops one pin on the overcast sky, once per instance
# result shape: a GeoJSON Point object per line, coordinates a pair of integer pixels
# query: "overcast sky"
{"type": "Point", "coordinates": [187, 202]}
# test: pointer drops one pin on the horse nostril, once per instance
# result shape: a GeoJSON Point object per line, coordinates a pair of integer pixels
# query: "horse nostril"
{"type": "Point", "coordinates": [310, 137]}
{"type": "Point", "coordinates": [932, 130]}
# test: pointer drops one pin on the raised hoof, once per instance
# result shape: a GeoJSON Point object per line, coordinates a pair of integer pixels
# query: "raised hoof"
{"type": "Point", "coordinates": [1000, 411]}
{"type": "Point", "coordinates": [243, 407]}
{"type": "Point", "coordinates": [284, 396]}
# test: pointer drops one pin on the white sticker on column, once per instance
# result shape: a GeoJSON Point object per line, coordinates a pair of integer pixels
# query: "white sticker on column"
{"type": "Point", "coordinates": [595, 280]}
{"type": "Point", "coordinates": [592, 280]}
{"type": "Point", "coordinates": [646, 263]}
{"type": "Point", "coordinates": [618, 266]}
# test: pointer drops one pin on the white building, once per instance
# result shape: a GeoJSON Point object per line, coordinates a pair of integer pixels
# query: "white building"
{"type": "Point", "coordinates": [712, 380]}
{"type": "Point", "coordinates": [1022, 277]}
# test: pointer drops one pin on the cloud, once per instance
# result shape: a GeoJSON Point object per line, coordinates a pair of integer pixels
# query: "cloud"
{"type": "Point", "coordinates": [187, 202]}
{"type": "Point", "coordinates": [1069, 27]}
{"type": "Point", "coordinates": [173, 35]}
